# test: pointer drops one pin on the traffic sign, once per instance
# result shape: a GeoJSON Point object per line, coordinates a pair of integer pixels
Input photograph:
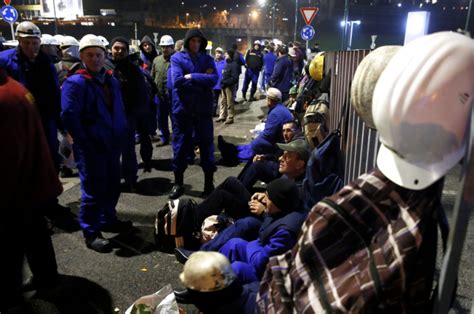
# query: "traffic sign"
{"type": "Point", "coordinates": [9, 14]}
{"type": "Point", "coordinates": [309, 14]}
{"type": "Point", "coordinates": [307, 33]}
{"type": "Point", "coordinates": [7, 2]}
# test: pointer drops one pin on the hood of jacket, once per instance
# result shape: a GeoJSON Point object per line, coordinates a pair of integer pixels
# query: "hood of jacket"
{"type": "Point", "coordinates": [195, 33]}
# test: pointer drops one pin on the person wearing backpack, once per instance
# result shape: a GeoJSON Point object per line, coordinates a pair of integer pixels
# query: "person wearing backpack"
{"type": "Point", "coordinates": [93, 113]}
{"type": "Point", "coordinates": [376, 238]}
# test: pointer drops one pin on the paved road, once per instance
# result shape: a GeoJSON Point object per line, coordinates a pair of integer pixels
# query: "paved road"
{"type": "Point", "coordinates": [102, 283]}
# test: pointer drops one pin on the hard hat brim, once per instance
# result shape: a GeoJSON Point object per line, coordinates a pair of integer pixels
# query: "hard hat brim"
{"type": "Point", "coordinates": [411, 176]}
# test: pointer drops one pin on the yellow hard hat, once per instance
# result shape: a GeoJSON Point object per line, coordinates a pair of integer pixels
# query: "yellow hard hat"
{"type": "Point", "coordinates": [316, 67]}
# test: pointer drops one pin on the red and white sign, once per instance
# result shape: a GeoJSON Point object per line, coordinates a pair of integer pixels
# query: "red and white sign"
{"type": "Point", "coordinates": [309, 14]}
{"type": "Point", "coordinates": [7, 2]}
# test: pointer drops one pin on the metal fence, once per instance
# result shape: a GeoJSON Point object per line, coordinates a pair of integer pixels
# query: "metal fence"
{"type": "Point", "coordinates": [359, 144]}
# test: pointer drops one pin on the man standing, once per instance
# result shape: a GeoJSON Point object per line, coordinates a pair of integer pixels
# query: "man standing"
{"type": "Point", "coordinates": [253, 63]}
{"type": "Point", "coordinates": [28, 180]}
{"type": "Point", "coordinates": [194, 75]}
{"type": "Point", "coordinates": [220, 65]}
{"type": "Point", "coordinates": [148, 53]}
{"type": "Point", "coordinates": [159, 72]}
{"type": "Point", "coordinates": [34, 70]}
{"type": "Point", "coordinates": [135, 99]}
{"type": "Point", "coordinates": [93, 113]}
{"type": "Point", "coordinates": [269, 60]}
{"type": "Point", "coordinates": [282, 73]}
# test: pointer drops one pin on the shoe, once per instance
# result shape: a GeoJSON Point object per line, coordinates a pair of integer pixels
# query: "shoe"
{"type": "Point", "coordinates": [147, 166]}
{"type": "Point", "coordinates": [260, 116]}
{"type": "Point", "coordinates": [220, 119]}
{"type": "Point", "coordinates": [182, 255]}
{"type": "Point", "coordinates": [117, 227]}
{"type": "Point", "coordinates": [99, 244]}
{"type": "Point", "coordinates": [252, 98]}
{"type": "Point", "coordinates": [129, 187]}
{"type": "Point", "coordinates": [229, 121]}
{"type": "Point", "coordinates": [176, 191]}
{"type": "Point", "coordinates": [161, 143]}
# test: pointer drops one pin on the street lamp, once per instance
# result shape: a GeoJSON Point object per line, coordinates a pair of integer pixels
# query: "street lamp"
{"type": "Point", "coordinates": [262, 3]}
{"type": "Point", "coordinates": [187, 16]}
{"type": "Point", "coordinates": [351, 28]}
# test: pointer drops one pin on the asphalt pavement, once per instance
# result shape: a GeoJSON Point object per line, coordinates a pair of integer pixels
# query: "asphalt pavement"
{"type": "Point", "coordinates": [105, 283]}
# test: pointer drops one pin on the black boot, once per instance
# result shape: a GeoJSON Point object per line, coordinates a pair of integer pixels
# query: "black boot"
{"type": "Point", "coordinates": [208, 184]}
{"type": "Point", "coordinates": [178, 188]}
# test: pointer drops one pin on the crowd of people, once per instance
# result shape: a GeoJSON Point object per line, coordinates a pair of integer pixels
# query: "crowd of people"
{"type": "Point", "coordinates": [105, 97]}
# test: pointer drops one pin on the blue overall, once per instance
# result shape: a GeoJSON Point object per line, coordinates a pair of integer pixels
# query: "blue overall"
{"type": "Point", "coordinates": [93, 113]}
{"type": "Point", "coordinates": [282, 76]}
{"type": "Point", "coordinates": [276, 235]}
{"type": "Point", "coordinates": [250, 76]}
{"type": "Point", "coordinates": [269, 60]}
{"type": "Point", "coordinates": [192, 102]}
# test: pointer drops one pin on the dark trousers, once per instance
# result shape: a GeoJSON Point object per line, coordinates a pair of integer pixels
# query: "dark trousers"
{"type": "Point", "coordinates": [250, 76]}
{"type": "Point", "coordinates": [164, 111]}
{"type": "Point", "coordinates": [215, 106]}
{"type": "Point", "coordinates": [32, 240]}
{"type": "Point", "coordinates": [230, 195]}
{"type": "Point", "coordinates": [263, 170]}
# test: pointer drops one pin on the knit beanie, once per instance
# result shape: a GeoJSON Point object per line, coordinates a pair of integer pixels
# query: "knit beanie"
{"type": "Point", "coordinates": [284, 194]}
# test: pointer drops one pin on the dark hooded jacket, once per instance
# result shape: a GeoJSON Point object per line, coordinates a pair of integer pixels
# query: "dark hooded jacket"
{"type": "Point", "coordinates": [193, 96]}
{"type": "Point", "coordinates": [148, 57]}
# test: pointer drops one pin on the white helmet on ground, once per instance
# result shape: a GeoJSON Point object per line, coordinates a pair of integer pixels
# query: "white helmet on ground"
{"type": "Point", "coordinates": [47, 39]}
{"type": "Point", "coordinates": [166, 40]}
{"type": "Point", "coordinates": [68, 41]}
{"type": "Point", "coordinates": [28, 29]}
{"type": "Point", "coordinates": [421, 108]}
{"type": "Point", "coordinates": [207, 271]}
{"type": "Point", "coordinates": [91, 40]}
{"type": "Point", "coordinates": [365, 79]}
{"type": "Point", "coordinates": [103, 40]}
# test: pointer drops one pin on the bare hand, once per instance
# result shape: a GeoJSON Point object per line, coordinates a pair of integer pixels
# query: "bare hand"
{"type": "Point", "coordinates": [188, 76]}
{"type": "Point", "coordinates": [258, 158]}
{"type": "Point", "coordinates": [256, 207]}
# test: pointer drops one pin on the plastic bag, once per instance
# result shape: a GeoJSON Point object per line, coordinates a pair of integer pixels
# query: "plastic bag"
{"type": "Point", "coordinates": [161, 302]}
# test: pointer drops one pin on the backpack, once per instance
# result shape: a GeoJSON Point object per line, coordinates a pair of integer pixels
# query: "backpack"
{"type": "Point", "coordinates": [174, 225]}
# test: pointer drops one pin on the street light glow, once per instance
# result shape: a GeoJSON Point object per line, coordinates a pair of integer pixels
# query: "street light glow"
{"type": "Point", "coordinates": [262, 2]}
{"type": "Point", "coordinates": [254, 14]}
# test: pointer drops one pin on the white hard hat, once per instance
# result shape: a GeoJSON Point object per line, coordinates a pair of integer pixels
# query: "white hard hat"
{"type": "Point", "coordinates": [47, 39]}
{"type": "Point", "coordinates": [274, 93]}
{"type": "Point", "coordinates": [257, 42]}
{"type": "Point", "coordinates": [91, 40]}
{"type": "Point", "coordinates": [59, 37]}
{"type": "Point", "coordinates": [207, 271]}
{"type": "Point", "coordinates": [421, 108]}
{"type": "Point", "coordinates": [220, 49]}
{"type": "Point", "coordinates": [365, 79]}
{"type": "Point", "coordinates": [68, 41]}
{"type": "Point", "coordinates": [166, 40]}
{"type": "Point", "coordinates": [28, 29]}
{"type": "Point", "coordinates": [104, 40]}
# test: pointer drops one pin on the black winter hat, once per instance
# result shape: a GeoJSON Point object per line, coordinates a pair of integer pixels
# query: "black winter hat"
{"type": "Point", "coordinates": [195, 32]}
{"type": "Point", "coordinates": [231, 53]}
{"type": "Point", "coordinates": [284, 194]}
{"type": "Point", "coordinates": [119, 39]}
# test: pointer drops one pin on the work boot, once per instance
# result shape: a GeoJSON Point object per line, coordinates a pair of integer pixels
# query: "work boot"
{"type": "Point", "coordinates": [229, 121]}
{"type": "Point", "coordinates": [208, 184]}
{"type": "Point", "coordinates": [98, 244]}
{"type": "Point", "coordinates": [178, 188]}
